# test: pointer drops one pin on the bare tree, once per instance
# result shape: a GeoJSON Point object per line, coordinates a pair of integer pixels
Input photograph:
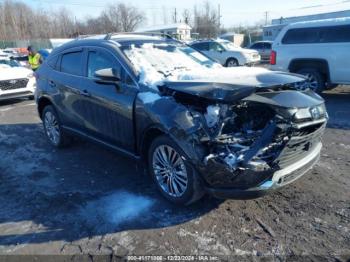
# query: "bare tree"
{"type": "Point", "coordinates": [19, 21]}
{"type": "Point", "coordinates": [186, 16]}
{"type": "Point", "coordinates": [130, 17]}
{"type": "Point", "coordinates": [206, 20]}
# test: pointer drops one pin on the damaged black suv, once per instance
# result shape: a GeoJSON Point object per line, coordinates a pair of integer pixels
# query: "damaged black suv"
{"type": "Point", "coordinates": [201, 128]}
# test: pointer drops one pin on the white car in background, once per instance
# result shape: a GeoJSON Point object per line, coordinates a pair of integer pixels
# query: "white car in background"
{"type": "Point", "coordinates": [226, 53]}
{"type": "Point", "coordinates": [320, 50]}
{"type": "Point", "coordinates": [15, 81]}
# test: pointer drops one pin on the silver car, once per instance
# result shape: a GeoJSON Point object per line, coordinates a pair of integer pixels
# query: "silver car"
{"type": "Point", "coordinates": [264, 49]}
{"type": "Point", "coordinates": [226, 53]}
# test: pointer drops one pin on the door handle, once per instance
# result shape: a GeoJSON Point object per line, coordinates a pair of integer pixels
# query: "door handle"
{"type": "Point", "coordinates": [85, 93]}
{"type": "Point", "coordinates": [52, 83]}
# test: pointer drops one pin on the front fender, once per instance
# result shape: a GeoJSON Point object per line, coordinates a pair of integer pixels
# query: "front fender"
{"type": "Point", "coordinates": [153, 111]}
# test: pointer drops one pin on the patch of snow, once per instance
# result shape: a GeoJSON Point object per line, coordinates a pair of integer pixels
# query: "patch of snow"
{"type": "Point", "coordinates": [116, 208]}
{"type": "Point", "coordinates": [148, 97]}
{"type": "Point", "coordinates": [206, 241]}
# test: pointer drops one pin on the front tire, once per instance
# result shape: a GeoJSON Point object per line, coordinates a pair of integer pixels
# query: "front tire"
{"type": "Point", "coordinates": [232, 62]}
{"type": "Point", "coordinates": [53, 129]}
{"type": "Point", "coordinates": [175, 178]}
{"type": "Point", "coordinates": [315, 80]}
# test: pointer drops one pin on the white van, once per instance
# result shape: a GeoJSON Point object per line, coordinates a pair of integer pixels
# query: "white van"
{"type": "Point", "coordinates": [318, 49]}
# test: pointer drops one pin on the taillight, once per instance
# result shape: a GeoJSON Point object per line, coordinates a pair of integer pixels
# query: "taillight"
{"type": "Point", "coordinates": [273, 58]}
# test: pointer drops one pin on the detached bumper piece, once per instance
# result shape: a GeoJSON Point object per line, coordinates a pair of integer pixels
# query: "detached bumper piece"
{"type": "Point", "coordinates": [279, 179]}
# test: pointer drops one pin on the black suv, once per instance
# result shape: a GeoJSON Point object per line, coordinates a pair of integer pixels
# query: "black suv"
{"type": "Point", "coordinates": [200, 127]}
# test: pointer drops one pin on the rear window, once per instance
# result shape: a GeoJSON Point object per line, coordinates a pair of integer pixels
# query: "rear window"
{"type": "Point", "coordinates": [313, 35]}
{"type": "Point", "coordinates": [257, 46]}
{"type": "Point", "coordinates": [71, 63]}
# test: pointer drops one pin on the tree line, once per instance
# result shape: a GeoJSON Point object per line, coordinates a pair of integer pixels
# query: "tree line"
{"type": "Point", "coordinates": [20, 21]}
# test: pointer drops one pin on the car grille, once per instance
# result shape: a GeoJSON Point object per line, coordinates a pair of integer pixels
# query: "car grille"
{"type": "Point", "coordinates": [13, 84]}
{"type": "Point", "coordinates": [300, 145]}
{"type": "Point", "coordinates": [297, 173]}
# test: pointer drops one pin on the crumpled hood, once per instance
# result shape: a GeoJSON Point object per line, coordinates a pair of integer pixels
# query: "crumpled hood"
{"type": "Point", "coordinates": [231, 87]}
{"type": "Point", "coordinates": [249, 76]}
{"type": "Point", "coordinates": [14, 73]}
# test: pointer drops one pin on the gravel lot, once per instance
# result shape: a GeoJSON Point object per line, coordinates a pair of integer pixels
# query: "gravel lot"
{"type": "Point", "coordinates": [88, 200]}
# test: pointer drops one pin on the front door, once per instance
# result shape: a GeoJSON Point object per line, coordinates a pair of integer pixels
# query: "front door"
{"type": "Point", "coordinates": [108, 107]}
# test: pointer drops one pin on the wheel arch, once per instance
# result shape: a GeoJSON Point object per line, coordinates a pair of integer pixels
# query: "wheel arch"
{"type": "Point", "coordinates": [148, 137]}
{"type": "Point", "coordinates": [42, 103]}
{"type": "Point", "coordinates": [319, 64]}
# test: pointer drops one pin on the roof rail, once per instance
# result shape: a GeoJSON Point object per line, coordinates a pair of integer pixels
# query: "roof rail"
{"type": "Point", "coordinates": [167, 36]}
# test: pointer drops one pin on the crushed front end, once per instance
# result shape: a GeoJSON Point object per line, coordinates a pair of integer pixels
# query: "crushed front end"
{"type": "Point", "coordinates": [248, 146]}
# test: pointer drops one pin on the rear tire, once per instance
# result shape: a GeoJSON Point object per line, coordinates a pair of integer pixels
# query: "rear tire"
{"type": "Point", "coordinates": [53, 129]}
{"type": "Point", "coordinates": [173, 175]}
{"type": "Point", "coordinates": [315, 80]}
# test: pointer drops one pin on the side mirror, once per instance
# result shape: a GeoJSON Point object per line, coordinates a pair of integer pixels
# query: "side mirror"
{"type": "Point", "coordinates": [107, 76]}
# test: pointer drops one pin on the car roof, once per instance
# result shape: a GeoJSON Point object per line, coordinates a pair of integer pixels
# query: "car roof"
{"type": "Point", "coordinates": [106, 39]}
{"type": "Point", "coordinates": [320, 23]}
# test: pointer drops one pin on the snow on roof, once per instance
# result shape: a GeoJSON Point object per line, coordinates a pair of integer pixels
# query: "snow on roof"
{"type": "Point", "coordinates": [56, 42]}
{"type": "Point", "coordinates": [165, 27]}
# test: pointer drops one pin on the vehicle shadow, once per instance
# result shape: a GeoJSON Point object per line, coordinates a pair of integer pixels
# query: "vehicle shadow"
{"type": "Point", "coordinates": [83, 191]}
{"type": "Point", "coordinates": [12, 101]}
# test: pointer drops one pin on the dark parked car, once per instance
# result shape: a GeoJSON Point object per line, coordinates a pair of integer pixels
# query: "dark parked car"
{"type": "Point", "coordinates": [199, 127]}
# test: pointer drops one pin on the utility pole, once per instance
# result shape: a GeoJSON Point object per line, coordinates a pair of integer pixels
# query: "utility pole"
{"type": "Point", "coordinates": [219, 17]}
{"type": "Point", "coordinates": [266, 17]}
{"type": "Point", "coordinates": [175, 16]}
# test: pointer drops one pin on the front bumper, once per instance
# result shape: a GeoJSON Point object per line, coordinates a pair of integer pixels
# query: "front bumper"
{"type": "Point", "coordinates": [279, 179]}
{"type": "Point", "coordinates": [24, 91]}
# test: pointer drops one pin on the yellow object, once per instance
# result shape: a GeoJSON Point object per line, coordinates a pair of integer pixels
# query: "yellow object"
{"type": "Point", "coordinates": [34, 61]}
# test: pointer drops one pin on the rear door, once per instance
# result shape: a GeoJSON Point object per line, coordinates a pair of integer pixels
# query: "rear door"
{"type": "Point", "coordinates": [108, 108]}
{"type": "Point", "coordinates": [337, 39]}
{"type": "Point", "coordinates": [64, 83]}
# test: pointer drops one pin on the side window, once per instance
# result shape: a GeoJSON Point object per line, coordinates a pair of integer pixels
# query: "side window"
{"type": "Point", "coordinates": [99, 60]}
{"type": "Point", "coordinates": [201, 46]}
{"type": "Point", "coordinates": [71, 63]}
{"type": "Point", "coordinates": [302, 36]}
{"type": "Point", "coordinates": [335, 34]}
{"type": "Point", "coordinates": [215, 47]}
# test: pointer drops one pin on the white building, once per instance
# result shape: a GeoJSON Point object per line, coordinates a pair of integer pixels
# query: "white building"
{"type": "Point", "coordinates": [270, 32]}
{"type": "Point", "coordinates": [237, 39]}
{"type": "Point", "coordinates": [181, 31]}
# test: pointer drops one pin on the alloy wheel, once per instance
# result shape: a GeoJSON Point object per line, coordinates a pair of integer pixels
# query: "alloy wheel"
{"type": "Point", "coordinates": [311, 82]}
{"type": "Point", "coordinates": [170, 170]}
{"type": "Point", "coordinates": [52, 128]}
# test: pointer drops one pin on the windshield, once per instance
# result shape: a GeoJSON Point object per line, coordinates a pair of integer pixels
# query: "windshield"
{"type": "Point", "coordinates": [11, 63]}
{"type": "Point", "coordinates": [229, 45]}
{"type": "Point", "coordinates": [165, 58]}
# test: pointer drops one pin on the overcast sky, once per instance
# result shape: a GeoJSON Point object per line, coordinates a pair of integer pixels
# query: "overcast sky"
{"type": "Point", "coordinates": [233, 12]}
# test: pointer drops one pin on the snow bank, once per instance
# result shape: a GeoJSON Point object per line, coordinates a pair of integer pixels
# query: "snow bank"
{"type": "Point", "coordinates": [156, 64]}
